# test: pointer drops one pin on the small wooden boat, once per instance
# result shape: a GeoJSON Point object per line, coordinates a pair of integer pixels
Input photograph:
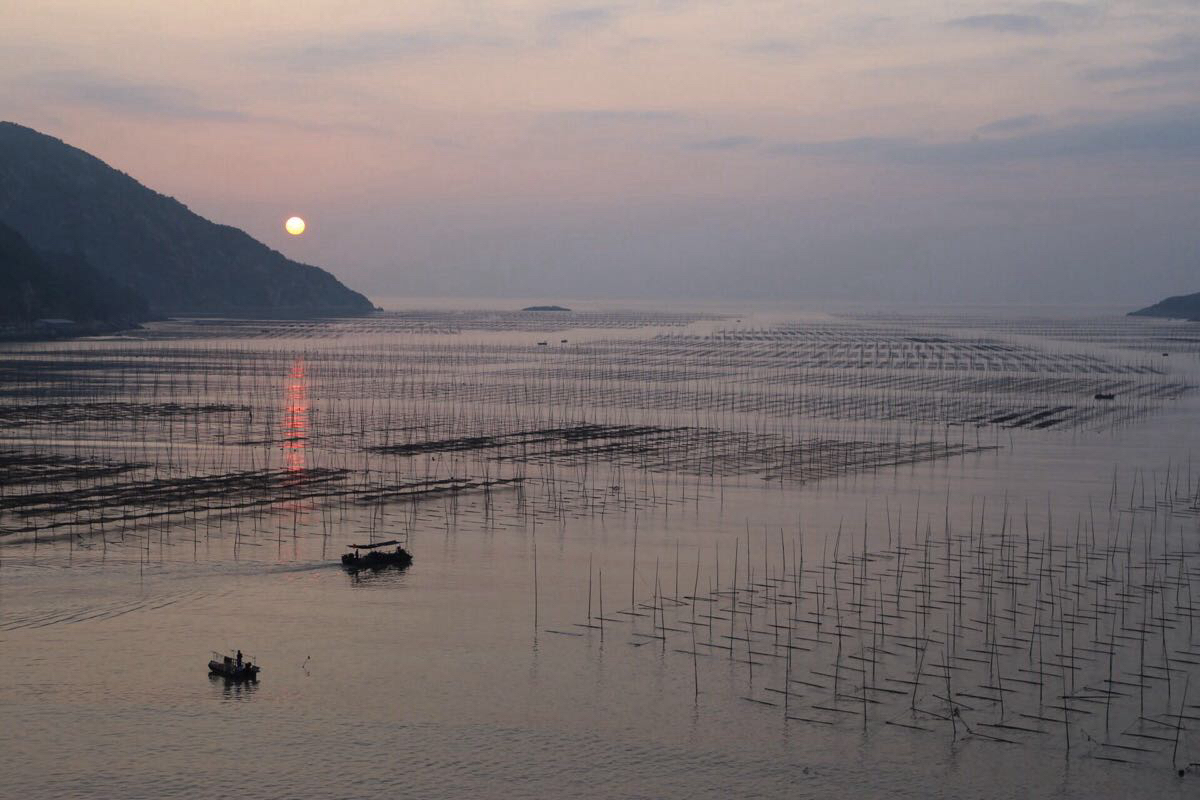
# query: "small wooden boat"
{"type": "Point", "coordinates": [376, 557]}
{"type": "Point", "coordinates": [233, 669]}
{"type": "Point", "coordinates": [1104, 396]}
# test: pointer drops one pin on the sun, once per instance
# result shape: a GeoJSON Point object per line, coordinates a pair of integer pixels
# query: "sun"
{"type": "Point", "coordinates": [295, 226]}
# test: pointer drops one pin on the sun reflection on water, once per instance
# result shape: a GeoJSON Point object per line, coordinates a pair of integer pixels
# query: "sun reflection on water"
{"type": "Point", "coordinates": [295, 419]}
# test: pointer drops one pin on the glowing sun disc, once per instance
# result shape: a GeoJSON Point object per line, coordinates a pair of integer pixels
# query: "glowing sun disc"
{"type": "Point", "coordinates": [294, 226]}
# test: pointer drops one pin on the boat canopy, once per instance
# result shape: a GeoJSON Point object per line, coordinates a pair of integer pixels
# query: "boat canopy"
{"type": "Point", "coordinates": [376, 544]}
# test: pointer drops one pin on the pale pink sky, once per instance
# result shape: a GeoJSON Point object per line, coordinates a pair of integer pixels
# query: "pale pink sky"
{"type": "Point", "coordinates": [909, 150]}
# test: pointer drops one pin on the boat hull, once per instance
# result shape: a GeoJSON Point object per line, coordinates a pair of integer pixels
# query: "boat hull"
{"type": "Point", "coordinates": [400, 559]}
{"type": "Point", "coordinates": [232, 672]}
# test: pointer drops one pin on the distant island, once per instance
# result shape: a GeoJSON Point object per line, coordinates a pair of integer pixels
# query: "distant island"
{"type": "Point", "coordinates": [545, 308]}
{"type": "Point", "coordinates": [69, 206]}
{"type": "Point", "coordinates": [1184, 306]}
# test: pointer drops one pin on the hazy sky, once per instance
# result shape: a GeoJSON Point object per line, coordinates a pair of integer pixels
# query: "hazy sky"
{"type": "Point", "coordinates": [910, 150]}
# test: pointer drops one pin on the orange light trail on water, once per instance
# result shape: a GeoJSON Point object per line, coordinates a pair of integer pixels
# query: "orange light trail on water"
{"type": "Point", "coordinates": [295, 420]}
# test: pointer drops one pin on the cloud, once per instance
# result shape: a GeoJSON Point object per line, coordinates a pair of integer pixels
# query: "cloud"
{"type": "Point", "coordinates": [128, 98]}
{"type": "Point", "coordinates": [579, 19]}
{"type": "Point", "coordinates": [558, 25]}
{"type": "Point", "coordinates": [1003, 23]}
{"type": "Point", "coordinates": [610, 116]}
{"type": "Point", "coordinates": [1168, 134]}
{"type": "Point", "coordinates": [775, 47]}
{"type": "Point", "coordinates": [726, 143]}
{"type": "Point", "coordinates": [365, 48]}
{"type": "Point", "coordinates": [1011, 124]}
{"type": "Point", "coordinates": [627, 126]}
{"type": "Point", "coordinates": [1173, 57]}
{"type": "Point", "coordinates": [1067, 11]}
{"type": "Point", "coordinates": [853, 147]}
{"type": "Point", "coordinates": [122, 97]}
{"type": "Point", "coordinates": [1047, 17]}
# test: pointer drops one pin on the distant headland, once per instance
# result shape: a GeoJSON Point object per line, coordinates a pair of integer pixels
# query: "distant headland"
{"type": "Point", "coordinates": [1184, 306]}
{"type": "Point", "coordinates": [147, 253]}
{"type": "Point", "coordinates": [545, 308]}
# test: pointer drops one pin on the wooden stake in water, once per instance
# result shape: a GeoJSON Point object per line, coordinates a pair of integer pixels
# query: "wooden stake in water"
{"type": "Point", "coordinates": [535, 578]}
{"type": "Point", "coordinates": [695, 664]}
{"type": "Point", "coordinates": [600, 577]}
{"type": "Point", "coordinates": [1179, 722]}
{"type": "Point", "coordinates": [633, 571]}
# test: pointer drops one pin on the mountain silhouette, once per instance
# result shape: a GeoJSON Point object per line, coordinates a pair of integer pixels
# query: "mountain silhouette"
{"type": "Point", "coordinates": [65, 201]}
{"type": "Point", "coordinates": [1184, 306]}
{"type": "Point", "coordinates": [36, 286]}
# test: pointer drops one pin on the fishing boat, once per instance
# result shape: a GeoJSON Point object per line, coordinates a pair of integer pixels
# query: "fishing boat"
{"type": "Point", "coordinates": [233, 668]}
{"type": "Point", "coordinates": [376, 556]}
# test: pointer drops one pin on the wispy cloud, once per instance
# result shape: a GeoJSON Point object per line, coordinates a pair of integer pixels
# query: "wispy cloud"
{"type": "Point", "coordinates": [1168, 134]}
{"type": "Point", "coordinates": [558, 27]}
{"type": "Point", "coordinates": [1003, 23]}
{"type": "Point", "coordinates": [579, 19]}
{"type": "Point", "coordinates": [611, 116]}
{"type": "Point", "coordinates": [782, 48]}
{"type": "Point", "coordinates": [613, 127]}
{"type": "Point", "coordinates": [727, 143]}
{"type": "Point", "coordinates": [366, 48]}
{"type": "Point", "coordinates": [142, 99]}
{"type": "Point", "coordinates": [1011, 124]}
{"type": "Point", "coordinates": [1170, 58]}
{"type": "Point", "coordinates": [129, 98]}
{"type": "Point", "coordinates": [1068, 11]}
{"type": "Point", "coordinates": [852, 147]}
{"type": "Point", "coordinates": [1050, 16]}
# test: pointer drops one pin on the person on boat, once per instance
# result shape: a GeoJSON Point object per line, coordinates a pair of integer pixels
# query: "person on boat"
{"type": "Point", "coordinates": [239, 659]}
